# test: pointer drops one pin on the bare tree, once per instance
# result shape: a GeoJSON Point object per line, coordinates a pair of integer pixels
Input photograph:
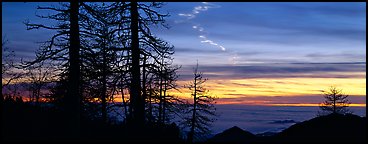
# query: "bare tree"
{"type": "Point", "coordinates": [64, 46]}
{"type": "Point", "coordinates": [8, 66]}
{"type": "Point", "coordinates": [107, 48]}
{"type": "Point", "coordinates": [10, 74]}
{"type": "Point", "coordinates": [99, 63]}
{"type": "Point", "coordinates": [201, 110]}
{"type": "Point", "coordinates": [336, 102]}
{"type": "Point", "coordinates": [161, 105]}
{"type": "Point", "coordinates": [38, 76]}
{"type": "Point", "coordinates": [170, 104]}
{"type": "Point", "coordinates": [143, 50]}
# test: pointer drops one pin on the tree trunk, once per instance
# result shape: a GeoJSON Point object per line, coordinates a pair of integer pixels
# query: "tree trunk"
{"type": "Point", "coordinates": [191, 134]}
{"type": "Point", "coordinates": [150, 104]}
{"type": "Point", "coordinates": [144, 77]}
{"type": "Point", "coordinates": [137, 103]}
{"type": "Point", "coordinates": [38, 94]}
{"type": "Point", "coordinates": [334, 103]}
{"type": "Point", "coordinates": [164, 99]}
{"type": "Point", "coordinates": [104, 79]}
{"type": "Point", "coordinates": [125, 104]}
{"type": "Point", "coordinates": [73, 97]}
{"type": "Point", "coordinates": [160, 98]}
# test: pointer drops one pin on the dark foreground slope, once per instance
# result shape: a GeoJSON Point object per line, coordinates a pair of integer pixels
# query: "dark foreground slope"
{"type": "Point", "coordinates": [330, 128]}
{"type": "Point", "coordinates": [26, 123]}
{"type": "Point", "coordinates": [333, 128]}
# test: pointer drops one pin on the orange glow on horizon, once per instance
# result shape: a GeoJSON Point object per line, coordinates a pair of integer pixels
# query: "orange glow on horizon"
{"type": "Point", "coordinates": [285, 87]}
{"type": "Point", "coordinates": [279, 87]}
{"type": "Point", "coordinates": [315, 105]}
{"type": "Point", "coordinates": [235, 89]}
{"type": "Point", "coordinates": [287, 104]}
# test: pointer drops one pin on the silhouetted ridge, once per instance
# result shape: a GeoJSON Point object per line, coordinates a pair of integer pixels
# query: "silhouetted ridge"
{"type": "Point", "coordinates": [329, 128]}
{"type": "Point", "coordinates": [234, 134]}
{"type": "Point", "coordinates": [332, 128]}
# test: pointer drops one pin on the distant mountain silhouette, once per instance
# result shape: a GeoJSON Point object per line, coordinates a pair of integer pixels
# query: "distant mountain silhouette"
{"type": "Point", "coordinates": [283, 121]}
{"type": "Point", "coordinates": [234, 134]}
{"type": "Point", "coordinates": [330, 128]}
{"type": "Point", "coordinates": [333, 128]}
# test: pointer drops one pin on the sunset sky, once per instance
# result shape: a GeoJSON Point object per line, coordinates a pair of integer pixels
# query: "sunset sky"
{"type": "Point", "coordinates": [252, 53]}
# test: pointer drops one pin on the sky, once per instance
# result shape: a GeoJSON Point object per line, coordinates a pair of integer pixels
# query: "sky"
{"type": "Point", "coordinates": [280, 53]}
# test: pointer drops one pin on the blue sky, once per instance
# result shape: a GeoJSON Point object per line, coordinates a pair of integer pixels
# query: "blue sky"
{"type": "Point", "coordinates": [270, 32]}
{"type": "Point", "coordinates": [240, 33]}
{"type": "Point", "coordinates": [240, 40]}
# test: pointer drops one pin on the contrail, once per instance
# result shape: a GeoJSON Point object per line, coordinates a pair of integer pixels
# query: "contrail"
{"type": "Point", "coordinates": [197, 10]}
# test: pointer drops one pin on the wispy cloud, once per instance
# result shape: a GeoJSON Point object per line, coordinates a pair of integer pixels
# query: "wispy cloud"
{"type": "Point", "coordinates": [198, 9]}
{"type": "Point", "coordinates": [206, 40]}
{"type": "Point", "coordinates": [203, 34]}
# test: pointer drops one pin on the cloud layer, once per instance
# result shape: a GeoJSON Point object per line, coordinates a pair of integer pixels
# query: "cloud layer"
{"type": "Point", "coordinates": [280, 70]}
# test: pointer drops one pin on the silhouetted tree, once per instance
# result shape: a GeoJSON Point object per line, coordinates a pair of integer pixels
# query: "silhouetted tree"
{"type": "Point", "coordinates": [144, 50]}
{"type": "Point", "coordinates": [168, 104]}
{"type": "Point", "coordinates": [335, 101]}
{"type": "Point", "coordinates": [38, 76]}
{"type": "Point", "coordinates": [58, 90]}
{"type": "Point", "coordinates": [201, 110]}
{"type": "Point", "coordinates": [8, 65]}
{"type": "Point", "coordinates": [64, 46]}
{"type": "Point", "coordinates": [157, 82]}
{"type": "Point", "coordinates": [106, 48]}
{"type": "Point", "coordinates": [135, 89]}
{"type": "Point", "coordinates": [100, 62]}
{"type": "Point", "coordinates": [74, 96]}
{"type": "Point", "coordinates": [10, 74]}
{"type": "Point", "coordinates": [161, 105]}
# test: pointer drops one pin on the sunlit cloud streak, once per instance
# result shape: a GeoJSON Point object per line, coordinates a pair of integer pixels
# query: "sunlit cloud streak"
{"type": "Point", "coordinates": [204, 39]}
{"type": "Point", "coordinates": [198, 9]}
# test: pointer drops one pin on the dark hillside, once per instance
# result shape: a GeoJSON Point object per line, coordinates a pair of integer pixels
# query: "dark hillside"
{"type": "Point", "coordinates": [333, 128]}
{"type": "Point", "coordinates": [234, 134]}
{"type": "Point", "coordinates": [330, 128]}
{"type": "Point", "coordinates": [24, 122]}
